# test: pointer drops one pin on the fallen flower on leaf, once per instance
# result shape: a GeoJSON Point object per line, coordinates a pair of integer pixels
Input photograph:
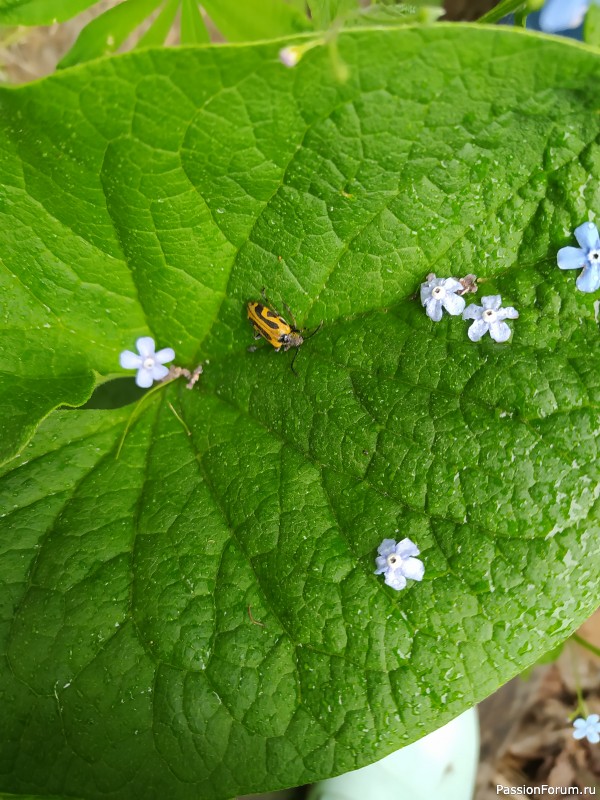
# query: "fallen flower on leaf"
{"type": "Point", "coordinates": [585, 257]}
{"type": "Point", "coordinates": [149, 364]}
{"type": "Point", "coordinates": [397, 563]}
{"type": "Point", "coordinates": [438, 293]}
{"type": "Point", "coordinates": [489, 318]}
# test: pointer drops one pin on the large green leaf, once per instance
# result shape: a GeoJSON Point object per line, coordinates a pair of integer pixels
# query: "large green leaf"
{"type": "Point", "coordinates": [157, 193]}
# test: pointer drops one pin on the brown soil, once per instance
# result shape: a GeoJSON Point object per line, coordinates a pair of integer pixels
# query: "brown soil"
{"type": "Point", "coordinates": [526, 728]}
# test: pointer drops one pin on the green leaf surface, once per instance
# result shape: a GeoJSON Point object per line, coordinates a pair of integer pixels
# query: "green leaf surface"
{"type": "Point", "coordinates": [193, 29]}
{"type": "Point", "coordinates": [33, 797]}
{"type": "Point", "coordinates": [503, 9]}
{"type": "Point", "coordinates": [324, 12]}
{"type": "Point", "coordinates": [40, 12]}
{"type": "Point", "coordinates": [299, 5]}
{"type": "Point", "coordinates": [591, 26]}
{"type": "Point", "coordinates": [160, 27]}
{"type": "Point", "coordinates": [237, 21]}
{"type": "Point", "coordinates": [106, 33]}
{"type": "Point", "coordinates": [393, 15]}
{"type": "Point", "coordinates": [255, 19]}
{"type": "Point", "coordinates": [199, 616]}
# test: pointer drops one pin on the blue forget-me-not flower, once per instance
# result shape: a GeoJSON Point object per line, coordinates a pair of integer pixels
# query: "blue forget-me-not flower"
{"type": "Point", "coordinates": [489, 318]}
{"type": "Point", "coordinates": [397, 562]}
{"type": "Point", "coordinates": [148, 363]}
{"type": "Point", "coordinates": [441, 292]}
{"type": "Point", "coordinates": [588, 728]}
{"type": "Point", "coordinates": [562, 15]}
{"type": "Point", "coordinates": [585, 257]}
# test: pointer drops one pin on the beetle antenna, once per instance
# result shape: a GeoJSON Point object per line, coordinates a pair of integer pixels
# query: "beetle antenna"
{"type": "Point", "coordinates": [316, 330]}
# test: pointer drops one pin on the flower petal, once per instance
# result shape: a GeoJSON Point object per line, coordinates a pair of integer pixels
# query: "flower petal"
{"type": "Point", "coordinates": [382, 565]}
{"type": "Point", "coordinates": [562, 15]}
{"type": "Point", "coordinates": [571, 258]}
{"type": "Point", "coordinates": [477, 330]}
{"type": "Point", "coordinates": [433, 309]}
{"type": "Point", "coordinates": [587, 236]}
{"type": "Point", "coordinates": [414, 569]}
{"type": "Point", "coordinates": [593, 718]}
{"type": "Point", "coordinates": [289, 56]}
{"type": "Point", "coordinates": [428, 286]}
{"type": "Point", "coordinates": [579, 723]}
{"type": "Point", "coordinates": [395, 579]}
{"type": "Point", "coordinates": [145, 346]}
{"type": "Point", "coordinates": [454, 304]}
{"type": "Point", "coordinates": [493, 301]}
{"type": "Point", "coordinates": [593, 737]}
{"type": "Point", "coordinates": [159, 372]}
{"type": "Point", "coordinates": [579, 733]}
{"type": "Point", "coordinates": [165, 355]}
{"type": "Point", "coordinates": [508, 313]}
{"type": "Point", "coordinates": [387, 547]}
{"type": "Point", "coordinates": [406, 548]}
{"type": "Point", "coordinates": [425, 293]}
{"type": "Point", "coordinates": [499, 331]}
{"type": "Point", "coordinates": [144, 378]}
{"type": "Point", "coordinates": [589, 279]}
{"type": "Point", "coordinates": [129, 360]}
{"type": "Point", "coordinates": [473, 311]}
{"type": "Point", "coordinates": [452, 285]}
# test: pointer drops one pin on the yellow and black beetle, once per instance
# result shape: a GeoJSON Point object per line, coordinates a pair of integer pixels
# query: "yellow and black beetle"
{"type": "Point", "coordinates": [270, 325]}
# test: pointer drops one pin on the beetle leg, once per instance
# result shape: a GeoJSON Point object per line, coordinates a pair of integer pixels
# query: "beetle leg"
{"type": "Point", "coordinates": [293, 359]}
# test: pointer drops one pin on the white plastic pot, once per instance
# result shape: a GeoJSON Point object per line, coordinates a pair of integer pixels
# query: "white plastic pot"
{"type": "Point", "coordinates": [440, 766]}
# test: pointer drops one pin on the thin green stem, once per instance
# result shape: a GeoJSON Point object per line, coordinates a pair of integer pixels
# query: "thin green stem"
{"type": "Point", "coordinates": [179, 418]}
{"type": "Point", "coordinates": [581, 707]}
{"type": "Point", "coordinates": [136, 411]}
{"type": "Point", "coordinates": [502, 10]}
{"type": "Point", "coordinates": [592, 648]}
{"type": "Point", "coordinates": [521, 19]}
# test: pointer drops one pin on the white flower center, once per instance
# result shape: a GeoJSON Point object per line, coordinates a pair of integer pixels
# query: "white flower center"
{"type": "Point", "coordinates": [489, 315]}
{"type": "Point", "coordinates": [438, 293]}
{"type": "Point", "coordinates": [594, 255]}
{"type": "Point", "coordinates": [148, 363]}
{"type": "Point", "coordinates": [393, 560]}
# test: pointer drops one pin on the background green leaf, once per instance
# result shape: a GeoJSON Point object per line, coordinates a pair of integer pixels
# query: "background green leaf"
{"type": "Point", "coordinates": [160, 27]}
{"type": "Point", "coordinates": [591, 27]}
{"type": "Point", "coordinates": [106, 33]}
{"type": "Point", "coordinates": [256, 19]}
{"type": "Point", "coordinates": [323, 12]}
{"type": "Point", "coordinates": [193, 29]}
{"type": "Point", "coordinates": [40, 12]}
{"type": "Point", "coordinates": [246, 21]}
{"type": "Point", "coordinates": [503, 9]}
{"type": "Point", "coordinates": [169, 189]}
